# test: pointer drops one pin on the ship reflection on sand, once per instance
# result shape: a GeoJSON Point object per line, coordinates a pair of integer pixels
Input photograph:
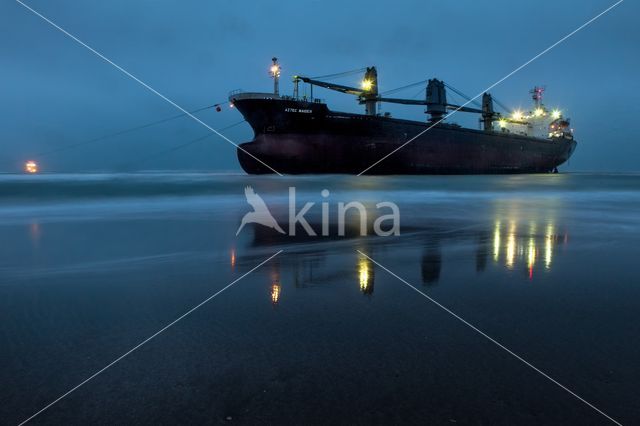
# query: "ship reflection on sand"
{"type": "Point", "coordinates": [527, 248]}
{"type": "Point", "coordinates": [511, 246]}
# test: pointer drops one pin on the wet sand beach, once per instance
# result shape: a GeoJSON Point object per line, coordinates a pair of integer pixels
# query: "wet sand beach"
{"type": "Point", "coordinates": [92, 265]}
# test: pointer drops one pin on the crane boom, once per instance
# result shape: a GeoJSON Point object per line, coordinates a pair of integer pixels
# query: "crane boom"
{"type": "Point", "coordinates": [435, 100]}
{"type": "Point", "coordinates": [424, 102]}
{"type": "Point", "coordinates": [332, 86]}
{"type": "Point", "coordinates": [367, 95]}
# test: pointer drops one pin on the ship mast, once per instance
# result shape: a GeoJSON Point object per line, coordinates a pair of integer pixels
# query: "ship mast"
{"type": "Point", "coordinates": [536, 94]}
{"type": "Point", "coordinates": [274, 71]}
{"type": "Point", "coordinates": [436, 100]}
{"type": "Point", "coordinates": [369, 94]}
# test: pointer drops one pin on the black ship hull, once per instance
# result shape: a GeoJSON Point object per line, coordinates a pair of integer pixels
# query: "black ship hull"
{"type": "Point", "coordinates": [297, 137]}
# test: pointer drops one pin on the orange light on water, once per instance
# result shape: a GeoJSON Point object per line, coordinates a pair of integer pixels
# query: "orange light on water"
{"type": "Point", "coordinates": [531, 258]}
{"type": "Point", "coordinates": [31, 167]}
{"type": "Point", "coordinates": [275, 293]}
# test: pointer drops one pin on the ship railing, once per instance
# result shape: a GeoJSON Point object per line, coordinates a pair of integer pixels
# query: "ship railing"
{"type": "Point", "coordinates": [235, 92]}
{"type": "Point", "coordinates": [303, 99]}
{"type": "Point", "coordinates": [261, 95]}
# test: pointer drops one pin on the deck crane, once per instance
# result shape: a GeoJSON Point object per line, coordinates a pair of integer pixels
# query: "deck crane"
{"type": "Point", "coordinates": [367, 93]}
{"type": "Point", "coordinates": [435, 99]}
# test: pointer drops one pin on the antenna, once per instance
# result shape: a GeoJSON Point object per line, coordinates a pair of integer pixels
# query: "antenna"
{"type": "Point", "coordinates": [536, 94]}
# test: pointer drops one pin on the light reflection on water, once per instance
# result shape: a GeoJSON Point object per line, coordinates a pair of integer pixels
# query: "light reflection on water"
{"type": "Point", "coordinates": [365, 275]}
{"type": "Point", "coordinates": [525, 247]}
{"type": "Point", "coordinates": [233, 258]}
{"type": "Point", "coordinates": [518, 240]}
{"type": "Point", "coordinates": [276, 287]}
{"type": "Point", "coordinates": [527, 234]}
{"type": "Point", "coordinates": [514, 233]}
{"type": "Point", "coordinates": [517, 237]}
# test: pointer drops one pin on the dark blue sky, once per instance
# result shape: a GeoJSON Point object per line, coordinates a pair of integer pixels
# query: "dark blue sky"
{"type": "Point", "coordinates": [56, 93]}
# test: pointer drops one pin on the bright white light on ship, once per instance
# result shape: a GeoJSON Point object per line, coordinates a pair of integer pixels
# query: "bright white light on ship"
{"type": "Point", "coordinates": [275, 70]}
{"type": "Point", "coordinates": [31, 167]}
{"type": "Point", "coordinates": [502, 123]}
{"type": "Point", "coordinates": [366, 85]}
{"type": "Point", "coordinates": [538, 112]}
{"type": "Point", "coordinates": [556, 114]}
{"type": "Point", "coordinates": [517, 115]}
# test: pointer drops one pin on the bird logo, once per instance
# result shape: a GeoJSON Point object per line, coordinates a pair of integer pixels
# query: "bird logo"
{"type": "Point", "coordinates": [260, 213]}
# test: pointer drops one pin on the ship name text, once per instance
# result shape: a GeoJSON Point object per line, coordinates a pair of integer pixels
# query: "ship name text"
{"type": "Point", "coordinates": [303, 111]}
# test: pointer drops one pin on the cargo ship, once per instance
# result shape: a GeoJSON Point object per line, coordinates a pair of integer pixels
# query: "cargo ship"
{"type": "Point", "coordinates": [299, 134]}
